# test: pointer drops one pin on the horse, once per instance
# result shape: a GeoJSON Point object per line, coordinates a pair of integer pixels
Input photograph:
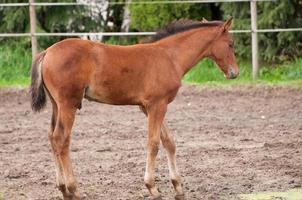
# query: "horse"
{"type": "Point", "coordinates": [147, 75]}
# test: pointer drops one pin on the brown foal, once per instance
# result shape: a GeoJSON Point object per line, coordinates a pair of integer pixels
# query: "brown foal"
{"type": "Point", "coordinates": [148, 75]}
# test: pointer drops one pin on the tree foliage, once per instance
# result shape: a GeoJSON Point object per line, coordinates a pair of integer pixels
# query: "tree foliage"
{"type": "Point", "coordinates": [56, 19]}
{"type": "Point", "coordinates": [147, 17]}
{"type": "Point", "coordinates": [274, 47]}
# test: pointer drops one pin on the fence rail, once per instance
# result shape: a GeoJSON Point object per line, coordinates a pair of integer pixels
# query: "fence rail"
{"type": "Point", "coordinates": [254, 30]}
{"type": "Point", "coordinates": [122, 3]}
{"type": "Point", "coordinates": [135, 33]}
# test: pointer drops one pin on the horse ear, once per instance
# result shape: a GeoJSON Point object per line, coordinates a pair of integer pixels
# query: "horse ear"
{"type": "Point", "coordinates": [204, 20]}
{"type": "Point", "coordinates": [227, 25]}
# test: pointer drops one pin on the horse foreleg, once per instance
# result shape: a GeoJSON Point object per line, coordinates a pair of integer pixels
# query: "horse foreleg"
{"type": "Point", "coordinates": [60, 141]}
{"type": "Point", "coordinates": [169, 144]}
{"type": "Point", "coordinates": [156, 115]}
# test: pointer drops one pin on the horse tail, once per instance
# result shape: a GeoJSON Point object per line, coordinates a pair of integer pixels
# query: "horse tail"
{"type": "Point", "coordinates": [37, 92]}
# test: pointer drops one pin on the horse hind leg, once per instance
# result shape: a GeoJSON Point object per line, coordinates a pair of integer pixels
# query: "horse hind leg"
{"type": "Point", "coordinates": [60, 141]}
{"type": "Point", "coordinates": [169, 144]}
{"type": "Point", "coordinates": [59, 173]}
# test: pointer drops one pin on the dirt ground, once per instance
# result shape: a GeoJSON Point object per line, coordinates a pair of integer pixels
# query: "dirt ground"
{"type": "Point", "coordinates": [230, 141]}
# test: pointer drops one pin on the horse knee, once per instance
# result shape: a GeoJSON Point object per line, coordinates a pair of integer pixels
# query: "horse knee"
{"type": "Point", "coordinates": [59, 142]}
{"type": "Point", "coordinates": [169, 145]}
{"type": "Point", "coordinates": [153, 147]}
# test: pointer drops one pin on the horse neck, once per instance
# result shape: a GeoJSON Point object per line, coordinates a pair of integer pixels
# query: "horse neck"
{"type": "Point", "coordinates": [188, 48]}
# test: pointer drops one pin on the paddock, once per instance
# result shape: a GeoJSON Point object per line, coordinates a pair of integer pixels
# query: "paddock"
{"type": "Point", "coordinates": [230, 141]}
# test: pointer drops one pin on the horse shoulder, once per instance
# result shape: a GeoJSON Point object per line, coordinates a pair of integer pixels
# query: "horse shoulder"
{"type": "Point", "coordinates": [163, 80]}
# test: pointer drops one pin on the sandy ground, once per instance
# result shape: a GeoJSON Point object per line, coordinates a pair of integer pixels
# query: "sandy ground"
{"type": "Point", "coordinates": [230, 141]}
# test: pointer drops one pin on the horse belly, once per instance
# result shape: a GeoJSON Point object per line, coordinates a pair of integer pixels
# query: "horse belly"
{"type": "Point", "coordinates": [113, 93]}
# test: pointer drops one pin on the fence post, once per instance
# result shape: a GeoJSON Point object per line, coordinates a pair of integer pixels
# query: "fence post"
{"type": "Point", "coordinates": [32, 16]}
{"type": "Point", "coordinates": [254, 37]}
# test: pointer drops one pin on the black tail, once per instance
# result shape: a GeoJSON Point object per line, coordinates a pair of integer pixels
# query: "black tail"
{"type": "Point", "coordinates": [38, 97]}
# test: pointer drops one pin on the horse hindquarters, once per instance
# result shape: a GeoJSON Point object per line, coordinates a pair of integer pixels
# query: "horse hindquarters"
{"type": "Point", "coordinates": [64, 79]}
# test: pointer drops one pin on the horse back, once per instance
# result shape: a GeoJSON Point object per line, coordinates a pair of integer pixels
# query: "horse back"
{"type": "Point", "coordinates": [105, 73]}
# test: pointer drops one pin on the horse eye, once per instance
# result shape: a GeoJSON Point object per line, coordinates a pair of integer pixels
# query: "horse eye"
{"type": "Point", "coordinates": [231, 45]}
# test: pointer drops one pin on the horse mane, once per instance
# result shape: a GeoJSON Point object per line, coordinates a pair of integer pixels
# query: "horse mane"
{"type": "Point", "coordinates": [178, 26]}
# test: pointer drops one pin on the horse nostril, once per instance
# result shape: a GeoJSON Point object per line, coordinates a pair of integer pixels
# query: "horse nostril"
{"type": "Point", "coordinates": [232, 74]}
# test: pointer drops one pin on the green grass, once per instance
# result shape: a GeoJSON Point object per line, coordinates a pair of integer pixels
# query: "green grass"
{"type": "Point", "coordinates": [293, 194]}
{"type": "Point", "coordinates": [206, 72]}
{"type": "Point", "coordinates": [15, 66]}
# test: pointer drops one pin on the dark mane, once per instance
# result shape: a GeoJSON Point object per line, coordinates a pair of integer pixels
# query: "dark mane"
{"type": "Point", "coordinates": [179, 26]}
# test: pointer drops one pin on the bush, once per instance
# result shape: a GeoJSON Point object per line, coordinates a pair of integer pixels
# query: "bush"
{"type": "Point", "coordinates": [15, 62]}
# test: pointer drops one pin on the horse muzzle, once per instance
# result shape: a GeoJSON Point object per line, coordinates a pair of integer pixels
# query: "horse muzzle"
{"type": "Point", "coordinates": [232, 73]}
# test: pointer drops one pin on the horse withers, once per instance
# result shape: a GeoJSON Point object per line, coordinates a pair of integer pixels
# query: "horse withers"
{"type": "Point", "coordinates": [148, 75]}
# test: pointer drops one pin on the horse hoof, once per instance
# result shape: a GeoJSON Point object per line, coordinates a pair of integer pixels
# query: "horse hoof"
{"type": "Point", "coordinates": [156, 198]}
{"type": "Point", "coordinates": [76, 198]}
{"type": "Point", "coordinates": [71, 197]}
{"type": "Point", "coordinates": [180, 197]}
